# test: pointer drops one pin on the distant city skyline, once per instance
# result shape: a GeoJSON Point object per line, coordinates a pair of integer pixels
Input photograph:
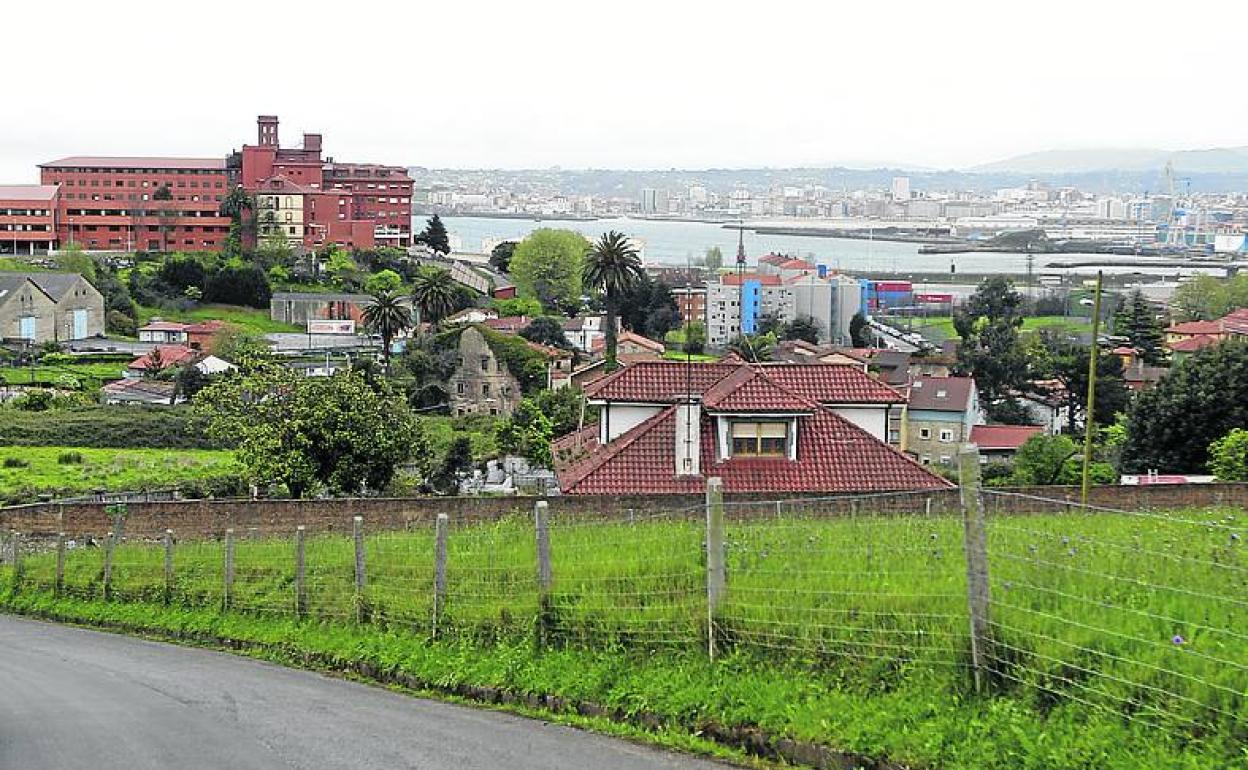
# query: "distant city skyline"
{"type": "Point", "coordinates": [689, 85]}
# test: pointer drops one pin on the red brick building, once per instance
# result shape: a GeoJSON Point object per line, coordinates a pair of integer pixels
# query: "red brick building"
{"type": "Point", "coordinates": [350, 204]}
{"type": "Point", "coordinates": [27, 218]}
{"type": "Point", "coordinates": [112, 203]}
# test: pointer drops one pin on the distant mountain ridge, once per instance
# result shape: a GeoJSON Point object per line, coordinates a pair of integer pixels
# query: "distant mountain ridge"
{"type": "Point", "coordinates": [1216, 160]}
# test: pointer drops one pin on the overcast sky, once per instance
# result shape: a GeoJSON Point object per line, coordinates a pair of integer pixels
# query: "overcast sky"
{"type": "Point", "coordinates": [622, 85]}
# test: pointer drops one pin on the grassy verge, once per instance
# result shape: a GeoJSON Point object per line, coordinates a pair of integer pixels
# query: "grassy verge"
{"type": "Point", "coordinates": [151, 427]}
{"type": "Point", "coordinates": [254, 320]}
{"type": "Point", "coordinates": [27, 472]}
{"type": "Point", "coordinates": [69, 375]}
{"type": "Point", "coordinates": [941, 329]}
{"type": "Point", "coordinates": [681, 699]}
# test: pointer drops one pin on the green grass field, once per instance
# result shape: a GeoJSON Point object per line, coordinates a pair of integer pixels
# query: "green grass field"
{"type": "Point", "coordinates": [67, 375]}
{"type": "Point", "coordinates": [29, 471]}
{"type": "Point", "coordinates": [1115, 626]}
{"type": "Point", "coordinates": [248, 319]}
{"type": "Point", "coordinates": [941, 329]}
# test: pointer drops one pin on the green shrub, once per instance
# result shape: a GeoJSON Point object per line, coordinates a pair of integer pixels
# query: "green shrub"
{"type": "Point", "coordinates": [16, 462]}
{"type": "Point", "coordinates": [69, 458]}
{"type": "Point", "coordinates": [120, 427]}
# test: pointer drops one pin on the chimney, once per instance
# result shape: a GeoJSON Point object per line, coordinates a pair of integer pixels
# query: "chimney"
{"type": "Point", "coordinates": [266, 127]}
{"type": "Point", "coordinates": [312, 143]}
{"type": "Point", "coordinates": [688, 438]}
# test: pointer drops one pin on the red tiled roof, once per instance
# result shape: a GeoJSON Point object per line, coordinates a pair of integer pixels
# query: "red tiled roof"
{"type": "Point", "coordinates": [1236, 322]}
{"type": "Point", "coordinates": [1002, 436]}
{"type": "Point", "coordinates": [279, 183]}
{"type": "Point", "coordinates": [170, 355]}
{"type": "Point", "coordinates": [773, 259]}
{"type": "Point", "coordinates": [549, 351]}
{"type": "Point", "coordinates": [640, 341]}
{"type": "Point", "coordinates": [510, 323]}
{"type": "Point", "coordinates": [1124, 350]}
{"type": "Point", "coordinates": [833, 455]}
{"type": "Point", "coordinates": [925, 393]}
{"type": "Point", "coordinates": [1196, 327]}
{"type": "Point", "coordinates": [206, 327]}
{"type": "Point", "coordinates": [96, 161]}
{"type": "Point", "coordinates": [1194, 343]}
{"type": "Point", "coordinates": [796, 264]}
{"type": "Point", "coordinates": [163, 326]}
{"type": "Point", "coordinates": [748, 389]}
{"type": "Point", "coordinates": [731, 279]}
{"type": "Point", "coordinates": [658, 382]}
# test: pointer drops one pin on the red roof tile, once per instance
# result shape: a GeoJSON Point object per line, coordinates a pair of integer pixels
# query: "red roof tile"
{"type": "Point", "coordinates": [731, 279]}
{"type": "Point", "coordinates": [1196, 327]}
{"type": "Point", "coordinates": [170, 355]}
{"type": "Point", "coordinates": [833, 455]}
{"type": "Point", "coordinates": [1192, 344]}
{"type": "Point", "coordinates": [28, 192]}
{"type": "Point", "coordinates": [748, 389]}
{"type": "Point", "coordinates": [95, 161]}
{"type": "Point", "coordinates": [1002, 436]}
{"type": "Point", "coordinates": [659, 382]}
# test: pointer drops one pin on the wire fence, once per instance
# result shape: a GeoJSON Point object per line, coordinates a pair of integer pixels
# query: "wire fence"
{"type": "Point", "coordinates": [1139, 614]}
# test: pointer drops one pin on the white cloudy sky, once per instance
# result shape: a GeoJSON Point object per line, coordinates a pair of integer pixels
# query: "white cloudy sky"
{"type": "Point", "coordinates": [641, 84]}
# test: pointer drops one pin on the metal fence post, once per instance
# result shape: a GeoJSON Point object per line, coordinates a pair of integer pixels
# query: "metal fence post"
{"type": "Point", "coordinates": [58, 584]}
{"type": "Point", "coordinates": [545, 576]}
{"type": "Point", "coordinates": [109, 544]}
{"type": "Point", "coordinates": [439, 570]}
{"type": "Point", "coordinates": [301, 587]}
{"type": "Point", "coordinates": [227, 589]}
{"type": "Point", "coordinates": [361, 577]}
{"type": "Point", "coordinates": [168, 566]}
{"type": "Point", "coordinates": [716, 580]}
{"type": "Point", "coordinates": [975, 545]}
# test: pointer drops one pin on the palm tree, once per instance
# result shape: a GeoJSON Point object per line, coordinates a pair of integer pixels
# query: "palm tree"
{"type": "Point", "coordinates": [387, 315]}
{"type": "Point", "coordinates": [435, 294]}
{"type": "Point", "coordinates": [612, 266]}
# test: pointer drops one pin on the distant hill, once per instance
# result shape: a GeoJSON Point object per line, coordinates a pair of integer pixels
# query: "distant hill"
{"type": "Point", "coordinates": [1218, 160]}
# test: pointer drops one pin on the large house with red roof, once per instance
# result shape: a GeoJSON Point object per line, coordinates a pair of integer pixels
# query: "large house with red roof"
{"type": "Point", "coordinates": [665, 427]}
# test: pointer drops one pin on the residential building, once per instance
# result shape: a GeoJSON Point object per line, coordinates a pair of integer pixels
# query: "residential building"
{"type": "Point", "coordinates": [634, 347]}
{"type": "Point", "coordinates": [49, 307]}
{"type": "Point", "coordinates": [280, 210]}
{"type": "Point", "coordinates": [27, 218]}
{"type": "Point", "coordinates": [900, 188]}
{"type": "Point", "coordinates": [773, 429]}
{"type": "Point", "coordinates": [735, 304]}
{"type": "Point", "coordinates": [481, 383]}
{"type": "Point", "coordinates": [196, 336]}
{"type": "Point", "coordinates": [940, 413]}
{"type": "Point", "coordinates": [585, 333]}
{"type": "Point", "coordinates": [690, 303]}
{"type": "Point", "coordinates": [136, 390]}
{"type": "Point", "coordinates": [127, 203]}
{"type": "Point", "coordinates": [355, 205]}
{"type": "Point", "coordinates": [1001, 442]}
{"type": "Point", "coordinates": [164, 356]}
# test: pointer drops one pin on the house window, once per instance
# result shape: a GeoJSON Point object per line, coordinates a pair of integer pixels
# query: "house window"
{"type": "Point", "coordinates": [485, 363]}
{"type": "Point", "coordinates": [485, 388]}
{"type": "Point", "coordinates": [946, 436]}
{"type": "Point", "coordinates": [763, 439]}
{"type": "Point", "coordinates": [459, 388]}
{"type": "Point", "coordinates": [925, 433]}
{"type": "Point", "coordinates": [945, 459]}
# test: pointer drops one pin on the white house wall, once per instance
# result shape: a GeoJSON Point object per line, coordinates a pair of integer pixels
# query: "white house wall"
{"type": "Point", "coordinates": [618, 419]}
{"type": "Point", "coordinates": [873, 419]}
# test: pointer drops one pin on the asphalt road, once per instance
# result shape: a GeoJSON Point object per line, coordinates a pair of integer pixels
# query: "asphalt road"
{"type": "Point", "coordinates": [72, 698]}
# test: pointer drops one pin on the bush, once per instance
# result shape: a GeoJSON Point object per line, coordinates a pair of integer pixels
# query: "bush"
{"type": "Point", "coordinates": [69, 458]}
{"type": "Point", "coordinates": [16, 462]}
{"type": "Point", "coordinates": [121, 427]}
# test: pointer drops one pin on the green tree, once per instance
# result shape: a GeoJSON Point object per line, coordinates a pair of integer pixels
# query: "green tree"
{"type": "Point", "coordinates": [613, 267]}
{"type": "Point", "coordinates": [342, 269]}
{"type": "Point", "coordinates": [303, 432]}
{"type": "Point", "coordinates": [990, 349]}
{"type": "Point", "coordinates": [1205, 298]}
{"type": "Point", "coordinates": [435, 295]}
{"type": "Point", "coordinates": [387, 315]}
{"type": "Point", "coordinates": [239, 284]}
{"type": "Point", "coordinates": [565, 408]}
{"type": "Point", "coordinates": [181, 272]}
{"type": "Point", "coordinates": [527, 433]}
{"type": "Point", "coordinates": [546, 330]}
{"type": "Point", "coordinates": [1204, 397]}
{"type": "Point", "coordinates": [454, 466]}
{"type": "Point", "coordinates": [1057, 358]}
{"type": "Point", "coordinates": [753, 348]}
{"type": "Point", "coordinates": [860, 331]}
{"type": "Point", "coordinates": [1139, 323]}
{"type": "Point", "coordinates": [547, 266]}
{"type": "Point", "coordinates": [385, 280]}
{"type": "Point", "coordinates": [500, 256]}
{"type": "Point", "coordinates": [695, 338]}
{"type": "Point", "coordinates": [434, 235]}
{"type": "Point", "coordinates": [714, 258]}
{"type": "Point", "coordinates": [166, 214]}
{"type": "Point", "coordinates": [518, 306]}
{"type": "Point", "coordinates": [801, 328]}
{"type": "Point", "coordinates": [1043, 460]}
{"type": "Point", "coordinates": [1228, 456]}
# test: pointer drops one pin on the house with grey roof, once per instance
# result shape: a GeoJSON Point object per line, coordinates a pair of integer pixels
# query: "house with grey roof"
{"type": "Point", "coordinates": [49, 307]}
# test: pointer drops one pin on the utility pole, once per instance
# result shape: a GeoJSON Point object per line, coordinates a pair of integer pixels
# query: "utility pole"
{"type": "Point", "coordinates": [1089, 422]}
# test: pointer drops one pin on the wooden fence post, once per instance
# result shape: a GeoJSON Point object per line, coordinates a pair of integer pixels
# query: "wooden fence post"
{"type": "Point", "coordinates": [975, 546]}
{"type": "Point", "coordinates": [168, 566]}
{"type": "Point", "coordinates": [361, 577]}
{"type": "Point", "coordinates": [439, 570]}
{"type": "Point", "coordinates": [108, 566]}
{"type": "Point", "coordinates": [716, 578]}
{"type": "Point", "coordinates": [15, 543]}
{"type": "Point", "coordinates": [227, 589]}
{"type": "Point", "coordinates": [58, 584]}
{"type": "Point", "coordinates": [301, 586]}
{"type": "Point", "coordinates": [545, 575]}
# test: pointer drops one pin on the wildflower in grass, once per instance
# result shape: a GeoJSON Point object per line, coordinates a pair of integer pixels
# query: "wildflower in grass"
{"type": "Point", "coordinates": [1178, 640]}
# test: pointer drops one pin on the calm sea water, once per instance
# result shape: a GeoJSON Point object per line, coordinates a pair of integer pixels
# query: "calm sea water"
{"type": "Point", "coordinates": [676, 242]}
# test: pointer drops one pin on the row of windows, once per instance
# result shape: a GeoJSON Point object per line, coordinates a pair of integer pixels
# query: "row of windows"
{"type": "Point", "coordinates": [133, 183]}
{"type": "Point", "coordinates": [170, 213]}
{"type": "Point", "coordinates": [89, 170]}
{"type": "Point", "coordinates": [946, 436]}
{"type": "Point", "coordinates": [25, 212]}
{"type": "Point", "coordinates": [462, 388]}
{"type": "Point", "coordinates": [25, 228]}
{"type": "Point", "coordinates": [135, 196]}
{"type": "Point", "coordinates": [148, 228]}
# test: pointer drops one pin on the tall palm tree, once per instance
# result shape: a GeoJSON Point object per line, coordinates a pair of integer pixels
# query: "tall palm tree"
{"type": "Point", "coordinates": [387, 315]}
{"type": "Point", "coordinates": [435, 295]}
{"type": "Point", "coordinates": [612, 266]}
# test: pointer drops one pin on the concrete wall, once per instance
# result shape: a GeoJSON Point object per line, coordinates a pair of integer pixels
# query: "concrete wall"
{"type": "Point", "coordinates": [210, 518]}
